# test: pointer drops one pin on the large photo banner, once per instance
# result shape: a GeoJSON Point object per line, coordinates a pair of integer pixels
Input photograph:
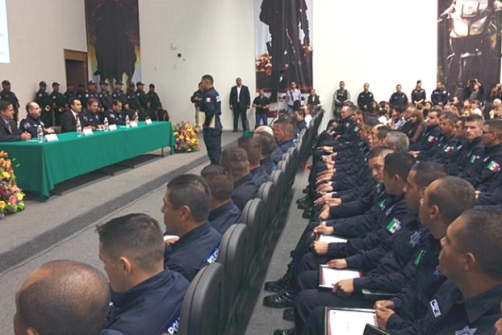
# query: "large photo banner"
{"type": "Point", "coordinates": [469, 47]}
{"type": "Point", "coordinates": [283, 45]}
{"type": "Point", "coordinates": [113, 40]}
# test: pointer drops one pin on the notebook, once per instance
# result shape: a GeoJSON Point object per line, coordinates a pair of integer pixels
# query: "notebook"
{"type": "Point", "coordinates": [348, 321]}
{"type": "Point", "coordinates": [328, 277]}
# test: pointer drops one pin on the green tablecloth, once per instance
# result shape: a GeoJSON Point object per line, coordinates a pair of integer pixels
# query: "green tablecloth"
{"type": "Point", "coordinates": [44, 165]}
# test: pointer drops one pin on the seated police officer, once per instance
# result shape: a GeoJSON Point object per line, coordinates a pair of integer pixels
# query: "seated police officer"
{"type": "Point", "coordinates": [9, 132]}
{"type": "Point", "coordinates": [62, 297]}
{"type": "Point", "coordinates": [115, 115]}
{"type": "Point", "coordinates": [146, 297]}
{"type": "Point", "coordinates": [69, 119]}
{"type": "Point", "coordinates": [91, 113]}
{"type": "Point", "coordinates": [253, 149]}
{"type": "Point", "coordinates": [284, 133]}
{"type": "Point", "coordinates": [245, 189]}
{"type": "Point", "coordinates": [186, 210]}
{"type": "Point", "coordinates": [33, 120]}
{"type": "Point", "coordinates": [268, 146]}
{"type": "Point", "coordinates": [224, 212]}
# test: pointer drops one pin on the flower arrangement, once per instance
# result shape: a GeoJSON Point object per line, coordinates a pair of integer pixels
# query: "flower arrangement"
{"type": "Point", "coordinates": [186, 137]}
{"type": "Point", "coordinates": [11, 196]}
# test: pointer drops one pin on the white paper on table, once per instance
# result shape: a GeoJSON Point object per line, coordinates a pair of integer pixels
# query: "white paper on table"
{"type": "Point", "coordinates": [331, 239]}
{"type": "Point", "coordinates": [148, 121]}
{"type": "Point", "coordinates": [134, 124]}
{"type": "Point", "coordinates": [341, 322]}
{"type": "Point", "coordinates": [88, 132]}
{"type": "Point", "coordinates": [51, 137]}
{"type": "Point", "coordinates": [330, 277]}
{"type": "Point", "coordinates": [112, 127]}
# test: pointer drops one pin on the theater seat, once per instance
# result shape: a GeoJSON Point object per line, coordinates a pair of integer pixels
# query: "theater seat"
{"type": "Point", "coordinates": [200, 312]}
{"type": "Point", "coordinates": [265, 195]}
{"type": "Point", "coordinates": [277, 177]}
{"type": "Point", "coordinates": [233, 250]}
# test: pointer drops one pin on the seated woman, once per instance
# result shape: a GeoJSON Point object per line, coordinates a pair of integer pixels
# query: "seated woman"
{"type": "Point", "coordinates": [417, 119]}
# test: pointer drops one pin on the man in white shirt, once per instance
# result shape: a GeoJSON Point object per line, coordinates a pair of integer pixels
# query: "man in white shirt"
{"type": "Point", "coordinates": [293, 96]}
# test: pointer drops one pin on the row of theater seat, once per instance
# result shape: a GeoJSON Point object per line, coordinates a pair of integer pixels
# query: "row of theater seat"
{"type": "Point", "coordinates": [215, 300]}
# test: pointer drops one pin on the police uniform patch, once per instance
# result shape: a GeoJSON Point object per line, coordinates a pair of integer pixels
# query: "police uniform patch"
{"type": "Point", "coordinates": [473, 158]}
{"type": "Point", "coordinates": [431, 139]}
{"type": "Point", "coordinates": [435, 308]}
{"type": "Point", "coordinates": [415, 239]}
{"type": "Point", "coordinates": [466, 331]}
{"type": "Point", "coordinates": [394, 226]}
{"type": "Point", "coordinates": [437, 273]}
{"type": "Point", "coordinates": [494, 166]}
{"type": "Point", "coordinates": [381, 204]}
{"type": "Point", "coordinates": [419, 257]}
{"type": "Point", "coordinates": [208, 99]}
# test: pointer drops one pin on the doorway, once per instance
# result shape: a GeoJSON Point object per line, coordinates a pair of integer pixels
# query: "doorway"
{"type": "Point", "coordinates": [76, 67]}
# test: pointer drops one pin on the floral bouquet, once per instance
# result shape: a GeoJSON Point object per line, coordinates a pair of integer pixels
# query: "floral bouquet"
{"type": "Point", "coordinates": [11, 196]}
{"type": "Point", "coordinates": [186, 137]}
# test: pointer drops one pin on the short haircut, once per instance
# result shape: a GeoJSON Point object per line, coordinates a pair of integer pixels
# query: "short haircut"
{"type": "Point", "coordinates": [208, 78]}
{"type": "Point", "coordinates": [301, 112]}
{"type": "Point", "coordinates": [427, 172]}
{"type": "Point", "coordinates": [72, 101]}
{"type": "Point", "coordinates": [286, 126]}
{"type": "Point", "coordinates": [4, 105]}
{"type": "Point", "coordinates": [72, 298]}
{"type": "Point", "coordinates": [382, 132]}
{"type": "Point", "coordinates": [436, 110]}
{"type": "Point", "coordinates": [379, 152]}
{"type": "Point", "coordinates": [29, 106]}
{"type": "Point", "coordinates": [371, 121]}
{"type": "Point", "coordinates": [192, 191]}
{"type": "Point", "coordinates": [450, 117]}
{"type": "Point", "coordinates": [481, 236]}
{"type": "Point", "coordinates": [399, 163]}
{"type": "Point", "coordinates": [495, 126]}
{"type": "Point", "coordinates": [268, 143]}
{"type": "Point", "coordinates": [236, 160]}
{"type": "Point", "coordinates": [91, 101]}
{"type": "Point", "coordinates": [475, 118]}
{"type": "Point", "coordinates": [453, 196]}
{"type": "Point", "coordinates": [220, 181]}
{"type": "Point", "coordinates": [397, 140]}
{"type": "Point", "coordinates": [116, 102]}
{"type": "Point", "coordinates": [137, 236]}
{"type": "Point", "coordinates": [252, 147]}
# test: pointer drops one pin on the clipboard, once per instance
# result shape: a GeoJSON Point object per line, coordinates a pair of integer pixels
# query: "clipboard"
{"type": "Point", "coordinates": [330, 239]}
{"type": "Point", "coordinates": [202, 119]}
{"type": "Point", "coordinates": [348, 321]}
{"type": "Point", "coordinates": [372, 330]}
{"type": "Point", "coordinates": [342, 274]}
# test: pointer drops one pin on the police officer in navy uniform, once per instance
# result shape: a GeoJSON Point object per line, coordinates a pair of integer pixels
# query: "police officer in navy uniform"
{"type": "Point", "coordinates": [105, 97]}
{"type": "Point", "coordinates": [440, 95]}
{"type": "Point", "coordinates": [70, 92]}
{"type": "Point", "coordinates": [224, 212]}
{"type": "Point", "coordinates": [418, 95]}
{"type": "Point", "coordinates": [141, 95]}
{"type": "Point", "coordinates": [118, 93]}
{"type": "Point", "coordinates": [132, 98]}
{"type": "Point", "coordinates": [212, 129]}
{"type": "Point", "coordinates": [153, 97]}
{"type": "Point", "coordinates": [58, 103]}
{"type": "Point", "coordinates": [115, 115]}
{"type": "Point", "coordinates": [146, 297]}
{"type": "Point", "coordinates": [7, 94]}
{"type": "Point", "coordinates": [43, 99]}
{"type": "Point", "coordinates": [32, 121]}
{"type": "Point", "coordinates": [91, 114]}
{"type": "Point", "coordinates": [187, 202]}
{"type": "Point", "coordinates": [398, 100]}
{"type": "Point", "coordinates": [365, 99]}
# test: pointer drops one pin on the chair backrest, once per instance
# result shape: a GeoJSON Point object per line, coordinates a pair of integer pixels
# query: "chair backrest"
{"type": "Point", "coordinates": [232, 254]}
{"type": "Point", "coordinates": [265, 194]}
{"type": "Point", "coordinates": [251, 216]}
{"type": "Point", "coordinates": [277, 177]}
{"type": "Point", "coordinates": [200, 312]}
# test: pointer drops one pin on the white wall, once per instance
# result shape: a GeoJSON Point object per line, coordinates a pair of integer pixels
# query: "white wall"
{"type": "Point", "coordinates": [214, 36]}
{"type": "Point", "coordinates": [380, 42]}
{"type": "Point", "coordinates": [39, 31]}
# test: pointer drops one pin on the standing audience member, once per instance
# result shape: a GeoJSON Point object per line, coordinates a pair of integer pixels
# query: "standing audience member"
{"type": "Point", "coordinates": [7, 94]}
{"type": "Point", "coordinates": [398, 100]}
{"type": "Point", "coordinates": [261, 105]}
{"type": "Point", "coordinates": [293, 97]}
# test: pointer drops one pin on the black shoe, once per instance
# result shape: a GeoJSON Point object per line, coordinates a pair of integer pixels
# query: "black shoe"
{"type": "Point", "coordinates": [305, 206]}
{"type": "Point", "coordinates": [305, 199]}
{"type": "Point", "coordinates": [291, 331]}
{"type": "Point", "coordinates": [280, 300]}
{"type": "Point", "coordinates": [307, 214]}
{"type": "Point", "coordinates": [279, 285]}
{"type": "Point", "coordinates": [306, 190]}
{"type": "Point", "coordinates": [288, 314]}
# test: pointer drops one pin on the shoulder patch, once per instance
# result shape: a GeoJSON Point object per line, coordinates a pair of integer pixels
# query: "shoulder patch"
{"type": "Point", "coordinates": [435, 308]}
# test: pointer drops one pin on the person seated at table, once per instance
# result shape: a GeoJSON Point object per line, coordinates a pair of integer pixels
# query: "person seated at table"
{"type": "Point", "coordinates": [62, 297]}
{"type": "Point", "coordinates": [224, 212]}
{"type": "Point", "coordinates": [115, 115]}
{"type": "Point", "coordinates": [9, 132]}
{"type": "Point", "coordinates": [69, 119]}
{"type": "Point", "coordinates": [91, 114]}
{"type": "Point", "coordinates": [32, 121]}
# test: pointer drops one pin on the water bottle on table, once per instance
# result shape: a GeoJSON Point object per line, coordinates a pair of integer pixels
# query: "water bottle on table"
{"type": "Point", "coordinates": [79, 128]}
{"type": "Point", "coordinates": [107, 125]}
{"type": "Point", "coordinates": [40, 134]}
{"type": "Point", "coordinates": [128, 122]}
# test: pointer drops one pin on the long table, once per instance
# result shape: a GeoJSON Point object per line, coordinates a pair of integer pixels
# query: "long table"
{"type": "Point", "coordinates": [43, 165]}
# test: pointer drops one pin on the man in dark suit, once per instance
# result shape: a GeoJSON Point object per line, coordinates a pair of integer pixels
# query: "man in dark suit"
{"type": "Point", "coordinates": [69, 119]}
{"type": "Point", "coordinates": [9, 132]}
{"type": "Point", "coordinates": [240, 101]}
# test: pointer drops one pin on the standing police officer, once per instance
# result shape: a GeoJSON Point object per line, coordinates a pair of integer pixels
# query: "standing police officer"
{"type": "Point", "coordinates": [58, 103]}
{"type": "Point", "coordinates": [141, 95]}
{"type": "Point", "coordinates": [365, 99]}
{"type": "Point", "coordinates": [211, 106]}
{"type": "Point", "coordinates": [43, 99]}
{"type": "Point", "coordinates": [105, 98]}
{"type": "Point", "coordinates": [418, 95]}
{"type": "Point", "coordinates": [118, 94]}
{"type": "Point", "coordinates": [70, 92]}
{"type": "Point", "coordinates": [398, 100]}
{"type": "Point", "coordinates": [7, 94]}
{"type": "Point", "coordinates": [440, 95]}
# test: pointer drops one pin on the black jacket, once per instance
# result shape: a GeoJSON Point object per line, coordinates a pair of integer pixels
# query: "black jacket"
{"type": "Point", "coordinates": [69, 123]}
{"type": "Point", "coordinates": [244, 97]}
{"type": "Point", "coordinates": [9, 136]}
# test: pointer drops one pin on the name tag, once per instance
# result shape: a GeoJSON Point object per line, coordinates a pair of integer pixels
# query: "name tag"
{"type": "Point", "coordinates": [88, 132]}
{"type": "Point", "coordinates": [51, 137]}
{"type": "Point", "coordinates": [148, 121]}
{"type": "Point", "coordinates": [112, 127]}
{"type": "Point", "coordinates": [134, 124]}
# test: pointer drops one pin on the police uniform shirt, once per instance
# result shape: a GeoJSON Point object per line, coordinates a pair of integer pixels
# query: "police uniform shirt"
{"type": "Point", "coordinates": [114, 118]}
{"type": "Point", "coordinates": [418, 95]}
{"type": "Point", "coordinates": [59, 100]}
{"type": "Point", "coordinates": [142, 98]}
{"type": "Point", "coordinates": [154, 100]}
{"type": "Point", "coordinates": [30, 125]}
{"type": "Point", "coordinates": [151, 307]}
{"type": "Point", "coordinates": [68, 95]}
{"type": "Point", "coordinates": [487, 168]}
{"type": "Point", "coordinates": [106, 100]}
{"type": "Point", "coordinates": [83, 96]}
{"type": "Point", "coordinates": [11, 97]}
{"type": "Point", "coordinates": [259, 175]}
{"type": "Point", "coordinates": [193, 251]}
{"type": "Point", "coordinates": [211, 106]}
{"type": "Point", "coordinates": [300, 125]}
{"type": "Point", "coordinates": [119, 95]}
{"type": "Point", "coordinates": [43, 100]}
{"type": "Point", "coordinates": [365, 99]}
{"type": "Point", "coordinates": [261, 101]}
{"type": "Point", "coordinates": [245, 189]}
{"type": "Point", "coordinates": [91, 118]}
{"type": "Point", "coordinates": [133, 100]}
{"type": "Point", "coordinates": [398, 100]}
{"type": "Point", "coordinates": [468, 156]}
{"type": "Point", "coordinates": [268, 165]}
{"type": "Point", "coordinates": [281, 149]}
{"type": "Point", "coordinates": [440, 96]}
{"type": "Point", "coordinates": [223, 217]}
{"type": "Point", "coordinates": [450, 313]}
